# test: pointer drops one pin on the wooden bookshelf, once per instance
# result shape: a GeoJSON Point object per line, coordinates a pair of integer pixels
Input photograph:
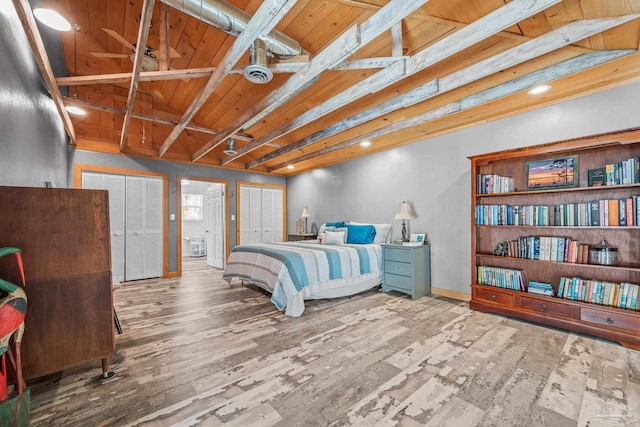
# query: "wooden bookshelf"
{"type": "Point", "coordinates": [616, 324]}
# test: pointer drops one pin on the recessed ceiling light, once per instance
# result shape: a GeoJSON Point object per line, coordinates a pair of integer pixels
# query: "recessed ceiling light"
{"type": "Point", "coordinates": [539, 89]}
{"type": "Point", "coordinates": [75, 110]}
{"type": "Point", "coordinates": [365, 143]}
{"type": "Point", "coordinates": [290, 167]}
{"type": "Point", "coordinates": [52, 19]}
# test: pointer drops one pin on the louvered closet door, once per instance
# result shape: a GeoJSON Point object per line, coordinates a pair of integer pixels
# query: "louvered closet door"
{"type": "Point", "coordinates": [267, 215]}
{"type": "Point", "coordinates": [245, 213]}
{"type": "Point", "coordinates": [277, 215]}
{"type": "Point", "coordinates": [143, 257]}
{"type": "Point", "coordinates": [115, 185]}
{"type": "Point", "coordinates": [255, 214]}
{"type": "Point", "coordinates": [134, 255]}
{"type": "Point", "coordinates": [153, 219]}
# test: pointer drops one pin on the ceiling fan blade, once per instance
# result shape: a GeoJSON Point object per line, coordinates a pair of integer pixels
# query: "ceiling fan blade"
{"type": "Point", "coordinates": [172, 53]}
{"type": "Point", "coordinates": [108, 55]}
{"type": "Point", "coordinates": [118, 37]}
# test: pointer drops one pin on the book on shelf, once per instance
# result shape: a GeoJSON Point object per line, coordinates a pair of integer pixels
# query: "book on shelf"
{"type": "Point", "coordinates": [501, 277]}
{"type": "Point", "coordinates": [621, 212]}
{"type": "Point", "coordinates": [597, 177]}
{"type": "Point", "coordinates": [492, 184]}
{"type": "Point", "coordinates": [540, 288]}
{"type": "Point", "coordinates": [621, 295]}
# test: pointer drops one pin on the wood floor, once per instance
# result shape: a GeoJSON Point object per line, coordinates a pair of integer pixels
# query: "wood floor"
{"type": "Point", "coordinates": [197, 351]}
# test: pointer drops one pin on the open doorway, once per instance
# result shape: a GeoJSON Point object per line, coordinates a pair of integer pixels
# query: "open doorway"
{"type": "Point", "coordinates": [203, 225]}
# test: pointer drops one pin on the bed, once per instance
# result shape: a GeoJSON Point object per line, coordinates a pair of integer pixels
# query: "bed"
{"type": "Point", "coordinates": [296, 271]}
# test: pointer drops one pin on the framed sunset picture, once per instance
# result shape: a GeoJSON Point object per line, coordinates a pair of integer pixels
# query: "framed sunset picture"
{"type": "Point", "coordinates": [552, 173]}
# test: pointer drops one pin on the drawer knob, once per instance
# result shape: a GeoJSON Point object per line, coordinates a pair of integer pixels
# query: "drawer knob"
{"type": "Point", "coordinates": [610, 320]}
{"type": "Point", "coordinates": [493, 297]}
{"type": "Point", "coordinates": [395, 268]}
{"type": "Point", "coordinates": [543, 306]}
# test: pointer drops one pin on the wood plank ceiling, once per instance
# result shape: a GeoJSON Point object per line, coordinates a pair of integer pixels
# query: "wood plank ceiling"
{"type": "Point", "coordinates": [390, 72]}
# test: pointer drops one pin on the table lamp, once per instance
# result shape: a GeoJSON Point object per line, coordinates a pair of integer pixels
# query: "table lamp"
{"type": "Point", "coordinates": [305, 215]}
{"type": "Point", "coordinates": [404, 213]}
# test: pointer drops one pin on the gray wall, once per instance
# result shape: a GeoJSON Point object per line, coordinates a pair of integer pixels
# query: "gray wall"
{"type": "Point", "coordinates": [434, 176]}
{"type": "Point", "coordinates": [173, 170]}
{"type": "Point", "coordinates": [33, 143]}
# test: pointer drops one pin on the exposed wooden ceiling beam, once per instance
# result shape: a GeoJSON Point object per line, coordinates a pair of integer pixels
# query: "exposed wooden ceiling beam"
{"type": "Point", "coordinates": [553, 72]}
{"type": "Point", "coordinates": [471, 34]}
{"type": "Point", "coordinates": [164, 56]}
{"type": "Point", "coordinates": [143, 34]}
{"type": "Point", "coordinates": [544, 44]}
{"type": "Point", "coordinates": [449, 22]}
{"type": "Point", "coordinates": [265, 19]}
{"type": "Point", "coordinates": [25, 14]}
{"type": "Point", "coordinates": [172, 119]}
{"type": "Point", "coordinates": [339, 50]}
{"type": "Point", "coordinates": [190, 73]}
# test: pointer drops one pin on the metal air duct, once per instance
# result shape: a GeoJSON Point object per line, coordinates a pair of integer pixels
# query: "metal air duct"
{"type": "Point", "coordinates": [231, 147]}
{"type": "Point", "coordinates": [233, 21]}
{"type": "Point", "coordinates": [257, 71]}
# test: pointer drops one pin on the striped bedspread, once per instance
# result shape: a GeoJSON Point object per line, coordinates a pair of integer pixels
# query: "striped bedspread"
{"type": "Point", "coordinates": [286, 268]}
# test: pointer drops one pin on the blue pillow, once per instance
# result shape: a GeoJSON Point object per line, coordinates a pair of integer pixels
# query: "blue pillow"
{"type": "Point", "coordinates": [360, 234]}
{"type": "Point", "coordinates": [335, 224]}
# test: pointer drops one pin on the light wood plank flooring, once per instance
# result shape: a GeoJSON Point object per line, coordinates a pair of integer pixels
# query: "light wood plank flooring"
{"type": "Point", "coordinates": [197, 351]}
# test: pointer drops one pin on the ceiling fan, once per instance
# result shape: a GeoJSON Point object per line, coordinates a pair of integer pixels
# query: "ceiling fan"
{"type": "Point", "coordinates": [149, 60]}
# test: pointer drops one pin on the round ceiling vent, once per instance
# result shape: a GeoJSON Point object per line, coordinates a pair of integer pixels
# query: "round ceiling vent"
{"type": "Point", "coordinates": [257, 71]}
{"type": "Point", "coordinates": [231, 147]}
{"type": "Point", "coordinates": [259, 74]}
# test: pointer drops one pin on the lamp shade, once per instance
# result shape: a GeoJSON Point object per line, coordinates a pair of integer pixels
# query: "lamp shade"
{"type": "Point", "coordinates": [305, 213]}
{"type": "Point", "coordinates": [404, 211]}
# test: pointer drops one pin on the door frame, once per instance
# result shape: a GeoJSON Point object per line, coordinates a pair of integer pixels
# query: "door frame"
{"type": "Point", "coordinates": [77, 183]}
{"type": "Point", "coordinates": [179, 179]}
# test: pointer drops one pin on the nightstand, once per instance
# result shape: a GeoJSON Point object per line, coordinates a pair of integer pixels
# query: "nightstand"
{"type": "Point", "coordinates": [296, 237]}
{"type": "Point", "coordinates": [406, 269]}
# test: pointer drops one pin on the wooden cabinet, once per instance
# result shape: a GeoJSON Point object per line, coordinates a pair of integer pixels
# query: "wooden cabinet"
{"type": "Point", "coordinates": [406, 269]}
{"type": "Point", "coordinates": [606, 321]}
{"type": "Point", "coordinates": [64, 238]}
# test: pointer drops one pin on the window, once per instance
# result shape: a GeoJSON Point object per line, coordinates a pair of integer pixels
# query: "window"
{"type": "Point", "coordinates": [192, 207]}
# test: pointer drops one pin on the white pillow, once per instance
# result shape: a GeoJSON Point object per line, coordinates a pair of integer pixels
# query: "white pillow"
{"type": "Point", "coordinates": [334, 238]}
{"type": "Point", "coordinates": [383, 232]}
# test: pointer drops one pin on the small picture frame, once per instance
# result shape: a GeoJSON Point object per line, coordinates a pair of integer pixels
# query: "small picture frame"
{"type": "Point", "coordinates": [552, 173]}
{"type": "Point", "coordinates": [416, 238]}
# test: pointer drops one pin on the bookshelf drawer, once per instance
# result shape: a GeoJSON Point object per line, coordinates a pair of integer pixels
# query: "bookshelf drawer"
{"type": "Point", "coordinates": [397, 268]}
{"type": "Point", "coordinates": [399, 282]}
{"type": "Point", "coordinates": [491, 295]}
{"type": "Point", "coordinates": [542, 306]}
{"type": "Point", "coordinates": [609, 318]}
{"type": "Point", "coordinates": [396, 254]}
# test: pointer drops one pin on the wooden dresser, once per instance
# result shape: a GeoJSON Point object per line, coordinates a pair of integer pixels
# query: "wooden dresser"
{"type": "Point", "coordinates": [65, 243]}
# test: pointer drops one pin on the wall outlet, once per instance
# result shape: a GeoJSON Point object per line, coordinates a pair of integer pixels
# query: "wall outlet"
{"type": "Point", "coordinates": [172, 217]}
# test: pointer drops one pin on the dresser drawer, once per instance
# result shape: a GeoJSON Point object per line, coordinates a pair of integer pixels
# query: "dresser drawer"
{"type": "Point", "coordinates": [395, 254]}
{"type": "Point", "coordinates": [542, 306]}
{"type": "Point", "coordinates": [394, 267]}
{"type": "Point", "coordinates": [608, 318]}
{"type": "Point", "coordinates": [399, 282]}
{"type": "Point", "coordinates": [491, 295]}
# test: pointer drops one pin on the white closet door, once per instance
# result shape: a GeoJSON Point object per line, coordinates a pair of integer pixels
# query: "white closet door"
{"type": "Point", "coordinates": [115, 185]}
{"type": "Point", "coordinates": [153, 219]}
{"type": "Point", "coordinates": [244, 215]}
{"type": "Point", "coordinates": [135, 200]}
{"type": "Point", "coordinates": [277, 215]}
{"type": "Point", "coordinates": [255, 214]}
{"type": "Point", "coordinates": [267, 216]}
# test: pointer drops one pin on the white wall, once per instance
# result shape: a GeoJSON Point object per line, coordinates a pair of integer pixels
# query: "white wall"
{"type": "Point", "coordinates": [434, 176]}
